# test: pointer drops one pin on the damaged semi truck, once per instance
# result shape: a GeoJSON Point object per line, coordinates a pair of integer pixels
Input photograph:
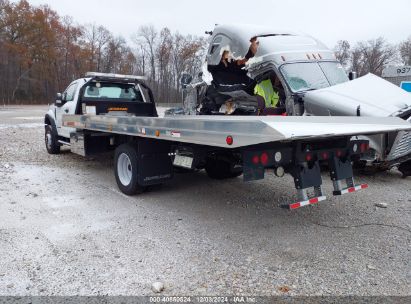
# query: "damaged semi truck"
{"type": "Point", "coordinates": [314, 84]}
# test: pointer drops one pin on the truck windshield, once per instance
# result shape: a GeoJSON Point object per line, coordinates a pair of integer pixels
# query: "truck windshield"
{"type": "Point", "coordinates": [103, 91]}
{"type": "Point", "coordinates": [305, 76]}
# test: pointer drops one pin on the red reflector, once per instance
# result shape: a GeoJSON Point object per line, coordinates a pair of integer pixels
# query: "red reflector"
{"type": "Point", "coordinates": [308, 157]}
{"type": "Point", "coordinates": [313, 200]}
{"type": "Point", "coordinates": [352, 189]}
{"type": "Point", "coordinates": [294, 206]}
{"type": "Point", "coordinates": [364, 186]}
{"type": "Point", "coordinates": [264, 158]}
{"type": "Point", "coordinates": [229, 140]}
{"type": "Point", "coordinates": [255, 159]}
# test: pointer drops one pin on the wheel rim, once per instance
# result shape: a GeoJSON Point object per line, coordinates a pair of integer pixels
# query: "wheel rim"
{"type": "Point", "coordinates": [124, 169]}
{"type": "Point", "coordinates": [48, 140]}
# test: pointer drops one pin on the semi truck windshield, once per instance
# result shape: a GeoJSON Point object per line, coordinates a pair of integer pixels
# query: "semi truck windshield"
{"type": "Point", "coordinates": [313, 75]}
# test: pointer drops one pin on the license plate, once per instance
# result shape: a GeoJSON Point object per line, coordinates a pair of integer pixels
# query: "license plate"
{"type": "Point", "coordinates": [183, 161]}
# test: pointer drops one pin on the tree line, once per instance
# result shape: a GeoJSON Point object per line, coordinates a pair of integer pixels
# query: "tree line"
{"type": "Point", "coordinates": [373, 55]}
{"type": "Point", "coordinates": [41, 52]}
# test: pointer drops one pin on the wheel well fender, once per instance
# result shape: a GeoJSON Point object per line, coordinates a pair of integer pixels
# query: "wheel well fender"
{"type": "Point", "coordinates": [48, 120]}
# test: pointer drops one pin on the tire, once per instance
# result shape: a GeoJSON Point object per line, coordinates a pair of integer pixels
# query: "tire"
{"type": "Point", "coordinates": [126, 169]}
{"type": "Point", "coordinates": [360, 164]}
{"type": "Point", "coordinates": [221, 169]}
{"type": "Point", "coordinates": [51, 141]}
{"type": "Point", "coordinates": [405, 168]}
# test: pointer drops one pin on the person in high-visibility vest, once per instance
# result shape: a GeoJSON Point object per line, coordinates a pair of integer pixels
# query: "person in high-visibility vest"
{"type": "Point", "coordinates": [270, 91]}
{"type": "Point", "coordinates": [266, 90]}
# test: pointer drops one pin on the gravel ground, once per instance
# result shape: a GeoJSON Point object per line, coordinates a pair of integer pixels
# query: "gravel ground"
{"type": "Point", "coordinates": [65, 229]}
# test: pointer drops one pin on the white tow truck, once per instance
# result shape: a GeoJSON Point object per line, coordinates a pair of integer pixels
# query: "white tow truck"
{"type": "Point", "coordinates": [111, 112]}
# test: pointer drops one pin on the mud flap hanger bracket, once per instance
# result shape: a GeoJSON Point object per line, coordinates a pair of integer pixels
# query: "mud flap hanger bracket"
{"type": "Point", "coordinates": [341, 172]}
{"type": "Point", "coordinates": [305, 177]}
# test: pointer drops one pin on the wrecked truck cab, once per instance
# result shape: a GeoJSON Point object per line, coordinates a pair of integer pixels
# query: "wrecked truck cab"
{"type": "Point", "coordinates": [311, 77]}
{"type": "Point", "coordinates": [280, 52]}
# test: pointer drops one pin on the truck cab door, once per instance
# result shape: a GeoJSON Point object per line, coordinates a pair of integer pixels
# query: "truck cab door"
{"type": "Point", "coordinates": [67, 106]}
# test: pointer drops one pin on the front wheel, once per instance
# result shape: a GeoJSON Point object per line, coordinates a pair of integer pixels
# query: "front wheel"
{"type": "Point", "coordinates": [405, 168]}
{"type": "Point", "coordinates": [50, 139]}
{"type": "Point", "coordinates": [126, 169]}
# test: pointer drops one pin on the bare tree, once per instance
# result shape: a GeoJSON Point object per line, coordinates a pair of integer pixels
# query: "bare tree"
{"type": "Point", "coordinates": [141, 58]}
{"type": "Point", "coordinates": [372, 55]}
{"type": "Point", "coordinates": [149, 34]}
{"type": "Point", "coordinates": [96, 38]}
{"type": "Point", "coordinates": [342, 52]}
{"type": "Point", "coordinates": [405, 51]}
{"type": "Point", "coordinates": [163, 55]}
{"type": "Point", "coordinates": [102, 38]}
{"type": "Point", "coordinates": [3, 6]}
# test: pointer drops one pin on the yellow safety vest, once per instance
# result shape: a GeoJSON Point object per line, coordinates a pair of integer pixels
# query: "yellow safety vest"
{"type": "Point", "coordinates": [265, 89]}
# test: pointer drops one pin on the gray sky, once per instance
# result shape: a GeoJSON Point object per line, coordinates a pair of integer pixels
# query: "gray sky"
{"type": "Point", "coordinates": [327, 20]}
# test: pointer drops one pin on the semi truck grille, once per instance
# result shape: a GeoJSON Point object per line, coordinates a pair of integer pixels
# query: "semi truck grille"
{"type": "Point", "coordinates": [401, 146]}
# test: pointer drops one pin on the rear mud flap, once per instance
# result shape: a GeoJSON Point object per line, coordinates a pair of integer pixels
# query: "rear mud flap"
{"type": "Point", "coordinates": [305, 178]}
{"type": "Point", "coordinates": [155, 165]}
{"type": "Point", "coordinates": [341, 172]}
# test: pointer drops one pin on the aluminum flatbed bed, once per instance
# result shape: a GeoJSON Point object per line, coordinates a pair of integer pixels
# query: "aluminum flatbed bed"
{"type": "Point", "coordinates": [245, 130]}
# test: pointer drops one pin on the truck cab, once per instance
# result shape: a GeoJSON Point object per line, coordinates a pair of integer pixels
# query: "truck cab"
{"type": "Point", "coordinates": [96, 93]}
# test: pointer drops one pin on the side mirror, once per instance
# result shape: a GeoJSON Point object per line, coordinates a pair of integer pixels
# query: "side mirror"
{"type": "Point", "coordinates": [185, 79]}
{"type": "Point", "coordinates": [352, 75]}
{"type": "Point", "coordinates": [59, 99]}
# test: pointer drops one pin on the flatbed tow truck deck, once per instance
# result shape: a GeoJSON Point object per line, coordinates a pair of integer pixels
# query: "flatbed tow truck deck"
{"type": "Point", "coordinates": [295, 145]}
{"type": "Point", "coordinates": [247, 130]}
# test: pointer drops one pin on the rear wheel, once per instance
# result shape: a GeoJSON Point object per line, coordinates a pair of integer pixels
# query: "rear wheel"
{"type": "Point", "coordinates": [126, 169]}
{"type": "Point", "coordinates": [217, 168]}
{"type": "Point", "coordinates": [51, 140]}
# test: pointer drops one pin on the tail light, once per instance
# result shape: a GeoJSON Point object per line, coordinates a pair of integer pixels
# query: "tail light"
{"type": "Point", "coordinates": [339, 153]}
{"type": "Point", "coordinates": [255, 160]}
{"type": "Point", "coordinates": [308, 157]}
{"type": "Point", "coordinates": [364, 147]}
{"type": "Point", "coordinates": [264, 158]}
{"type": "Point", "coordinates": [229, 140]}
{"type": "Point", "coordinates": [261, 158]}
